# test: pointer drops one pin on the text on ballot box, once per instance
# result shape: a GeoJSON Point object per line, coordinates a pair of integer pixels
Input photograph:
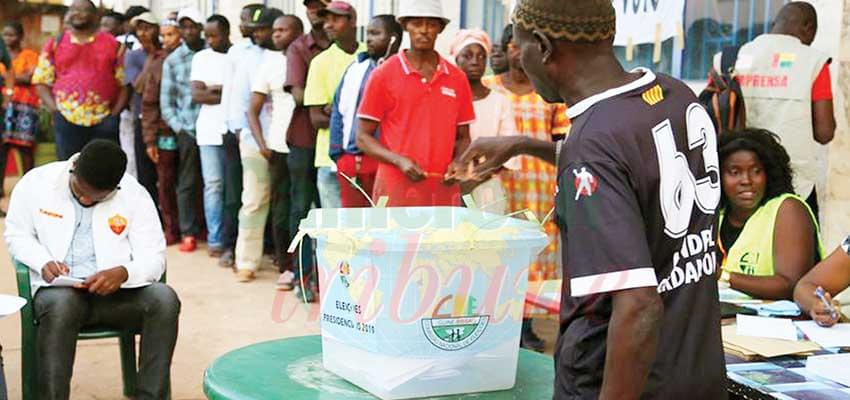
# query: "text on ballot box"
{"type": "Point", "coordinates": [422, 301]}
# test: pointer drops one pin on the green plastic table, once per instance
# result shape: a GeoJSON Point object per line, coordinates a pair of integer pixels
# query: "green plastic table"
{"type": "Point", "coordinates": [292, 369]}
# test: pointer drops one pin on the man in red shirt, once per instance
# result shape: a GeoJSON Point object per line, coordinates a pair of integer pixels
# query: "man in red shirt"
{"type": "Point", "coordinates": [423, 106]}
{"type": "Point", "coordinates": [80, 80]}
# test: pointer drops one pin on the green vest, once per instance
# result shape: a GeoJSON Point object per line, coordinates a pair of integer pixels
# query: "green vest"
{"type": "Point", "coordinates": [752, 253]}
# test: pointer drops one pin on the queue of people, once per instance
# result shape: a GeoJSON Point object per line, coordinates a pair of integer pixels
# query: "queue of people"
{"type": "Point", "coordinates": [235, 142]}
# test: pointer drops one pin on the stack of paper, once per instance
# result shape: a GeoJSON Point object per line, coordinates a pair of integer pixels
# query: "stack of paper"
{"type": "Point", "coordinates": [832, 367]}
{"type": "Point", "coordinates": [835, 336]}
{"type": "Point", "coordinates": [10, 304]}
{"type": "Point", "coordinates": [766, 327]}
{"type": "Point", "coordinates": [782, 308]}
{"type": "Point", "coordinates": [748, 347]}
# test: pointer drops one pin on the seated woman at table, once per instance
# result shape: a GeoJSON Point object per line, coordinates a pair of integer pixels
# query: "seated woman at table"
{"type": "Point", "coordinates": [768, 236]}
{"type": "Point", "coordinates": [833, 276]}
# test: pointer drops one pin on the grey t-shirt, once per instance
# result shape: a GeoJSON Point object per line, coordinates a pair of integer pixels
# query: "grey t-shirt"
{"type": "Point", "coordinates": [81, 258]}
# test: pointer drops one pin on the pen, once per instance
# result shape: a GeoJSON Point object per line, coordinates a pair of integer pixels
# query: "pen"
{"type": "Point", "coordinates": [820, 293]}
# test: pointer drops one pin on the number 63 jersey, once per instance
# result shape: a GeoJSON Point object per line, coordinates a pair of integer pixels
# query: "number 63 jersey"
{"type": "Point", "coordinates": [639, 182]}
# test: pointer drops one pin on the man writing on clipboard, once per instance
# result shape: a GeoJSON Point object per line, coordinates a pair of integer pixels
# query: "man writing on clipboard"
{"type": "Point", "coordinates": [638, 187]}
{"type": "Point", "coordinates": [86, 219]}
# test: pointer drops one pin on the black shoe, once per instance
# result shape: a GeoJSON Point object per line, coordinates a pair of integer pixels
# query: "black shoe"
{"type": "Point", "coordinates": [531, 341]}
{"type": "Point", "coordinates": [304, 296]}
{"type": "Point", "coordinates": [227, 259]}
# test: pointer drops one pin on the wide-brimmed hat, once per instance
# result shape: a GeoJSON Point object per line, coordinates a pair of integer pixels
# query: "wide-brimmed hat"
{"type": "Point", "coordinates": [421, 8]}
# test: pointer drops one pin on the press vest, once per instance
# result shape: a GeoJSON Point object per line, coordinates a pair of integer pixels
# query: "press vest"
{"type": "Point", "coordinates": [776, 73]}
{"type": "Point", "coordinates": [752, 253]}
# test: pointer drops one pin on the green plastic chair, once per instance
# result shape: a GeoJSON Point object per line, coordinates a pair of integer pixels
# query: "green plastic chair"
{"type": "Point", "coordinates": [29, 332]}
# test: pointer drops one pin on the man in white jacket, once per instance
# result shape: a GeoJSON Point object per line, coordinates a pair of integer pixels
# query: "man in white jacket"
{"type": "Point", "coordinates": [86, 219]}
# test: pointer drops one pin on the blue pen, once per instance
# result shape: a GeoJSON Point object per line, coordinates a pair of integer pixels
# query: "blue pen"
{"type": "Point", "coordinates": [822, 296]}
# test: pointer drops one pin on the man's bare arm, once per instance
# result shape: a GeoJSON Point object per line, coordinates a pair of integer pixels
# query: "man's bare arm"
{"type": "Point", "coordinates": [319, 118]}
{"type": "Point", "coordinates": [823, 121]}
{"type": "Point", "coordinates": [632, 342]}
{"type": "Point", "coordinates": [46, 97]}
{"type": "Point", "coordinates": [372, 147]}
{"type": "Point", "coordinates": [203, 94]}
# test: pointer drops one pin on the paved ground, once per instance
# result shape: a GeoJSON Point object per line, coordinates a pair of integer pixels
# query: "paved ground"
{"type": "Point", "coordinates": [218, 315]}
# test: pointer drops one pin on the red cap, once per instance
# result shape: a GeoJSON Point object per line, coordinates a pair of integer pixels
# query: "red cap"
{"type": "Point", "coordinates": [339, 8]}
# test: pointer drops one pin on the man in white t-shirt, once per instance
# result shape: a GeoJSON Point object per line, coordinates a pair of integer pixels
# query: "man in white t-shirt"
{"type": "Point", "coordinates": [211, 68]}
{"type": "Point", "coordinates": [269, 115]}
{"type": "Point", "coordinates": [255, 153]}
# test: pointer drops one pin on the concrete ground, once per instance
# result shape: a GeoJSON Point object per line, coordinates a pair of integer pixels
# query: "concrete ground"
{"type": "Point", "coordinates": [218, 315]}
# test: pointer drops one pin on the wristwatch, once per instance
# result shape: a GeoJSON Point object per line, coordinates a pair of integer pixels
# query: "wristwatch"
{"type": "Point", "coordinates": [846, 245]}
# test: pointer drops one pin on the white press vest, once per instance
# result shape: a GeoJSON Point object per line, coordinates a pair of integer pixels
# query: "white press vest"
{"type": "Point", "coordinates": [776, 73]}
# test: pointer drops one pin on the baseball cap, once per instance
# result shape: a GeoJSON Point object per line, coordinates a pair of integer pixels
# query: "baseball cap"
{"type": "Point", "coordinates": [265, 17]}
{"type": "Point", "coordinates": [338, 8]}
{"type": "Point", "coordinates": [146, 16]}
{"type": "Point", "coordinates": [192, 13]}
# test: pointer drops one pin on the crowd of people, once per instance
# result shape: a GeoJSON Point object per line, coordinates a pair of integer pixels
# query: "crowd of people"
{"type": "Point", "coordinates": [235, 142]}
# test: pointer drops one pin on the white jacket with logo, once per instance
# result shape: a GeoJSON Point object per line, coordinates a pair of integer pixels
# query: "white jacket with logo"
{"type": "Point", "coordinates": [126, 228]}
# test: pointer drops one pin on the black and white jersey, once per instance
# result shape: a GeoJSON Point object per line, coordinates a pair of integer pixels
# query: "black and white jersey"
{"type": "Point", "coordinates": [638, 187]}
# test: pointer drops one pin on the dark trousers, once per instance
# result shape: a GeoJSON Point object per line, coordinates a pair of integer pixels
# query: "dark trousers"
{"type": "Point", "coordinates": [70, 138]}
{"type": "Point", "coordinates": [188, 184]}
{"type": "Point", "coordinates": [61, 313]}
{"type": "Point", "coordinates": [303, 194]}
{"type": "Point", "coordinates": [3, 393]}
{"type": "Point", "coordinates": [146, 172]}
{"type": "Point", "coordinates": [812, 201]}
{"type": "Point", "coordinates": [232, 191]}
{"type": "Point", "coordinates": [279, 212]}
{"type": "Point", "coordinates": [166, 170]}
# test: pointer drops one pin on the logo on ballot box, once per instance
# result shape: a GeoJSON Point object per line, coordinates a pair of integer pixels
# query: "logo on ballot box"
{"type": "Point", "coordinates": [453, 334]}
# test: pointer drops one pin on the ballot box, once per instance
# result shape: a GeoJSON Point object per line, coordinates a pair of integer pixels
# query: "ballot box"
{"type": "Point", "coordinates": [422, 301]}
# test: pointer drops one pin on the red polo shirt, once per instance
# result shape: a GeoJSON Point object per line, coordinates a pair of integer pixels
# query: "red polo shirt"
{"type": "Point", "coordinates": [418, 119]}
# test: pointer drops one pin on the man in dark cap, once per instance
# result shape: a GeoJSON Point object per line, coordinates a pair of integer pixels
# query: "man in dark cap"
{"type": "Point", "coordinates": [638, 187]}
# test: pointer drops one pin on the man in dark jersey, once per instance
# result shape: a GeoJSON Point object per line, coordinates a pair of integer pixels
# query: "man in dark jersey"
{"type": "Point", "coordinates": [638, 187]}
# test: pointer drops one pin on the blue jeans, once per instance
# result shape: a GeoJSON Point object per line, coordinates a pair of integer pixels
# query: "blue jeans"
{"type": "Point", "coordinates": [328, 184]}
{"type": "Point", "coordinates": [212, 168]}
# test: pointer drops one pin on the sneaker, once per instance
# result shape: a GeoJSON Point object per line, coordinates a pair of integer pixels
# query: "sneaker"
{"type": "Point", "coordinates": [244, 275]}
{"type": "Point", "coordinates": [286, 281]}
{"type": "Point", "coordinates": [188, 244]}
{"type": "Point", "coordinates": [215, 252]}
{"type": "Point", "coordinates": [227, 259]}
{"type": "Point", "coordinates": [301, 296]}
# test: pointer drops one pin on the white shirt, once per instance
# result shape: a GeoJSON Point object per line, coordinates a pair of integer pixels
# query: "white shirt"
{"type": "Point", "coordinates": [279, 106]}
{"type": "Point", "coordinates": [494, 116]}
{"type": "Point", "coordinates": [212, 68]}
{"type": "Point", "coordinates": [247, 61]}
{"type": "Point", "coordinates": [125, 228]}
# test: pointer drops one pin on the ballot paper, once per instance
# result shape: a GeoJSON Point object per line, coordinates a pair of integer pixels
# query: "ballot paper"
{"type": "Point", "coordinates": [748, 347]}
{"type": "Point", "coordinates": [832, 367]}
{"type": "Point", "coordinates": [66, 281]}
{"type": "Point", "coordinates": [776, 328]}
{"type": "Point", "coordinates": [729, 295]}
{"type": "Point", "coordinates": [10, 304]}
{"type": "Point", "coordinates": [835, 336]}
{"type": "Point", "coordinates": [782, 308]}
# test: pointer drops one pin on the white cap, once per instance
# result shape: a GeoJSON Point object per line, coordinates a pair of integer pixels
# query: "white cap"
{"type": "Point", "coordinates": [421, 8]}
{"type": "Point", "coordinates": [146, 16]}
{"type": "Point", "coordinates": [192, 13]}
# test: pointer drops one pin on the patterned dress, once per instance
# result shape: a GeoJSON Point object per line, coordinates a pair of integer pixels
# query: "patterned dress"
{"type": "Point", "coordinates": [532, 186]}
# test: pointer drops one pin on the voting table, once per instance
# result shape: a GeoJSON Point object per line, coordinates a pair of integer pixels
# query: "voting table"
{"type": "Point", "coordinates": [292, 369]}
{"type": "Point", "coordinates": [784, 378]}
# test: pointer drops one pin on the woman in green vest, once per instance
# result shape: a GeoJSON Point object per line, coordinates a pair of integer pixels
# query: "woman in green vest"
{"type": "Point", "coordinates": [768, 236]}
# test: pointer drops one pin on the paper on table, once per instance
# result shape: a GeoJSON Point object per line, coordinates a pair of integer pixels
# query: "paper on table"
{"type": "Point", "coordinates": [65, 281]}
{"type": "Point", "coordinates": [763, 346]}
{"type": "Point", "coordinates": [10, 304]}
{"type": "Point", "coordinates": [729, 295]}
{"type": "Point", "coordinates": [776, 328]}
{"type": "Point", "coordinates": [836, 336]}
{"type": "Point", "coordinates": [832, 367]}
